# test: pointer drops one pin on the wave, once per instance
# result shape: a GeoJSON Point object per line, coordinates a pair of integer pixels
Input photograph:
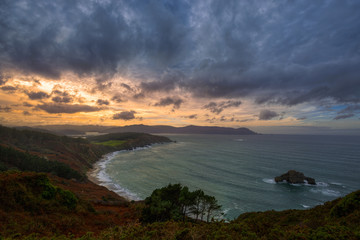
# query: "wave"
{"type": "Point", "coordinates": [269, 180]}
{"type": "Point", "coordinates": [336, 183]}
{"type": "Point", "coordinates": [321, 184]}
{"type": "Point", "coordinates": [327, 192]}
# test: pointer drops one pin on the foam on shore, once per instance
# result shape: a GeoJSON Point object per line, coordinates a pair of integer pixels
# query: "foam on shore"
{"type": "Point", "coordinates": [99, 176]}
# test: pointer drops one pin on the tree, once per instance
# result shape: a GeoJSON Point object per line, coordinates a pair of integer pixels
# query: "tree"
{"type": "Point", "coordinates": [211, 206]}
{"type": "Point", "coordinates": [175, 202]}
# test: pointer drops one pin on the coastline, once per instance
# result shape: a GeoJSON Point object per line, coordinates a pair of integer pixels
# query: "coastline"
{"type": "Point", "coordinates": [92, 173]}
{"type": "Point", "coordinates": [97, 173]}
{"type": "Point", "coordinates": [98, 176]}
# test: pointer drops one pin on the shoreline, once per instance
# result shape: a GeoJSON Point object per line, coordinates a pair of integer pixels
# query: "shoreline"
{"type": "Point", "coordinates": [93, 176]}
{"type": "Point", "coordinates": [92, 173]}
{"type": "Point", "coordinates": [100, 165]}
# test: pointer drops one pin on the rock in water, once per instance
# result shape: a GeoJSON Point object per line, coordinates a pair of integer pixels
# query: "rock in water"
{"type": "Point", "coordinates": [293, 176]}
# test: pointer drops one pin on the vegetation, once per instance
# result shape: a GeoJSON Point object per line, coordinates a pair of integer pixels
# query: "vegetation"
{"type": "Point", "coordinates": [31, 207]}
{"type": "Point", "coordinates": [14, 159]}
{"type": "Point", "coordinates": [127, 140]}
{"type": "Point", "coordinates": [79, 154]}
{"type": "Point", "coordinates": [176, 202]}
{"type": "Point", "coordinates": [112, 143]}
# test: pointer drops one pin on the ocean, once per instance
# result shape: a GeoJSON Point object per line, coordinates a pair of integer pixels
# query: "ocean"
{"type": "Point", "coordinates": [239, 170]}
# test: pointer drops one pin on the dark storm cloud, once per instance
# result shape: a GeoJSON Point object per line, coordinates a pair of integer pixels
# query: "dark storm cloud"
{"type": "Point", "coordinates": [175, 101]}
{"type": "Point", "coordinates": [125, 115]}
{"type": "Point", "coordinates": [277, 52]}
{"type": "Point", "coordinates": [37, 95]}
{"type": "Point", "coordinates": [90, 37]}
{"type": "Point", "coordinates": [267, 115]}
{"type": "Point", "coordinates": [67, 108]}
{"type": "Point", "coordinates": [219, 107]}
{"type": "Point", "coordinates": [343, 116]}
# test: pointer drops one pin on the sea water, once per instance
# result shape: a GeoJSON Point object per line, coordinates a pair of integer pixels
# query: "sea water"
{"type": "Point", "coordinates": [239, 170]}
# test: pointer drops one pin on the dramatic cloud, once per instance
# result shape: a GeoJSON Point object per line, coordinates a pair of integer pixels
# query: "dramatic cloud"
{"type": "Point", "coordinates": [102, 102]}
{"type": "Point", "coordinates": [267, 115]}
{"type": "Point", "coordinates": [26, 113]}
{"type": "Point", "coordinates": [37, 95]}
{"type": "Point", "coordinates": [126, 115]}
{"type": "Point", "coordinates": [67, 108]}
{"type": "Point", "coordinates": [290, 53]}
{"type": "Point", "coordinates": [175, 101]}
{"type": "Point", "coordinates": [219, 107]}
{"type": "Point", "coordinates": [276, 54]}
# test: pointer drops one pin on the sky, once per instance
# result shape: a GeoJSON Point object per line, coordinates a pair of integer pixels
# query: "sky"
{"type": "Point", "coordinates": [271, 66]}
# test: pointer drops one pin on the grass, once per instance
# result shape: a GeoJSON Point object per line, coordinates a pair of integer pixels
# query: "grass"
{"type": "Point", "coordinates": [111, 143]}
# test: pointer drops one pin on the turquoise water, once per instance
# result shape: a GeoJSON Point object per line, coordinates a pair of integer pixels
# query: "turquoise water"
{"type": "Point", "coordinates": [239, 170]}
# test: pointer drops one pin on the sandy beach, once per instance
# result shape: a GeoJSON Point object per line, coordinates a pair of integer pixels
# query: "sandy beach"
{"type": "Point", "coordinates": [92, 173]}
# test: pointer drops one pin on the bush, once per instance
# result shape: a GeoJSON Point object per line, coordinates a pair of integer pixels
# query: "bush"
{"type": "Point", "coordinates": [346, 205]}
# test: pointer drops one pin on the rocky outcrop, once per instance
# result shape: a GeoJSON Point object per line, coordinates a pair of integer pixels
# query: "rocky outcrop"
{"type": "Point", "coordinates": [295, 177]}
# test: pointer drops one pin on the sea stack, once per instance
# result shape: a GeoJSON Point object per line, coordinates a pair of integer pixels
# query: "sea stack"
{"type": "Point", "coordinates": [295, 177]}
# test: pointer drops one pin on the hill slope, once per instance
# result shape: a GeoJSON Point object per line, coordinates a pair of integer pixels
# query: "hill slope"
{"type": "Point", "coordinates": [77, 153]}
{"type": "Point", "coordinates": [30, 204]}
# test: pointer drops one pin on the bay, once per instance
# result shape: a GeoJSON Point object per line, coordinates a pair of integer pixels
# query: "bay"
{"type": "Point", "coordinates": [239, 170]}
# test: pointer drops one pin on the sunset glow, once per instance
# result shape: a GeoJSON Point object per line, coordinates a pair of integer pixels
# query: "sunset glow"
{"type": "Point", "coordinates": [260, 64]}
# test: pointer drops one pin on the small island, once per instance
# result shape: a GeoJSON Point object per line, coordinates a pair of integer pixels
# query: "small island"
{"type": "Point", "coordinates": [295, 177]}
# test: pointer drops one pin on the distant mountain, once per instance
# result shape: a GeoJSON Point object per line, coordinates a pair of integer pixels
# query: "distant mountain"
{"type": "Point", "coordinates": [191, 129]}
{"type": "Point", "coordinates": [188, 130]}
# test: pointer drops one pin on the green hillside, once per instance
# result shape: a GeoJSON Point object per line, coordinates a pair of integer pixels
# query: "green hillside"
{"type": "Point", "coordinates": [128, 140]}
